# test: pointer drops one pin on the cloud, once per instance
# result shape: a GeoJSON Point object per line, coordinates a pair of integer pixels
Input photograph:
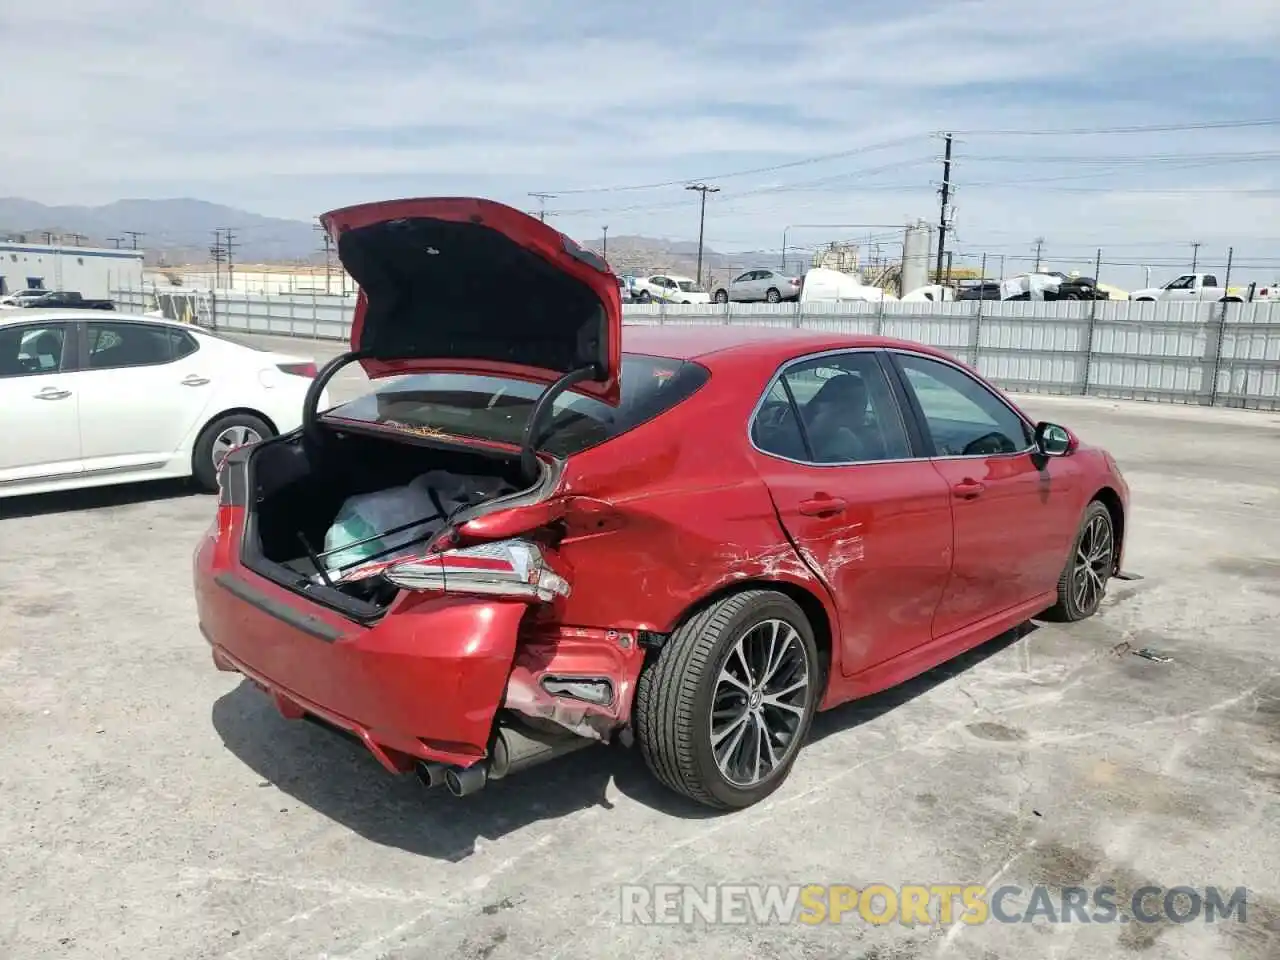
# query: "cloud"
{"type": "Point", "coordinates": [292, 110]}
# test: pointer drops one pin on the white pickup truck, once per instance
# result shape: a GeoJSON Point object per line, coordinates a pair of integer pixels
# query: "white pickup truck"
{"type": "Point", "coordinates": [1192, 286]}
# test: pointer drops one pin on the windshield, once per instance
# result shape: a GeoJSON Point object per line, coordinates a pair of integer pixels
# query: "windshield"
{"type": "Point", "coordinates": [688, 286]}
{"type": "Point", "coordinates": [497, 408]}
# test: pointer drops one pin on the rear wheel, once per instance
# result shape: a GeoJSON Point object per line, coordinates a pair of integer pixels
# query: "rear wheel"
{"type": "Point", "coordinates": [220, 438]}
{"type": "Point", "coordinates": [772, 295]}
{"type": "Point", "coordinates": [722, 296]}
{"type": "Point", "coordinates": [1083, 583]}
{"type": "Point", "coordinates": [644, 296]}
{"type": "Point", "coordinates": [721, 713]}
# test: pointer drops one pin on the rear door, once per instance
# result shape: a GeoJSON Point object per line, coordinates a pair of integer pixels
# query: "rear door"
{"type": "Point", "coordinates": [1014, 512]}
{"type": "Point", "coordinates": [144, 387]}
{"type": "Point", "coordinates": [39, 427]}
{"type": "Point", "coordinates": [872, 522]}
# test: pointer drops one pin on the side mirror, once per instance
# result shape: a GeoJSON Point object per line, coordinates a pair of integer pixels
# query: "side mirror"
{"type": "Point", "coordinates": [1055, 441]}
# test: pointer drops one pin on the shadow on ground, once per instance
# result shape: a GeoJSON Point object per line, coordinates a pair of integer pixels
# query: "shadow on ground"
{"type": "Point", "coordinates": [342, 781]}
{"type": "Point", "coordinates": [96, 498]}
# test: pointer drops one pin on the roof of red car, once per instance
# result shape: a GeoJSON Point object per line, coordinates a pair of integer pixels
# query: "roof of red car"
{"type": "Point", "coordinates": [695, 341]}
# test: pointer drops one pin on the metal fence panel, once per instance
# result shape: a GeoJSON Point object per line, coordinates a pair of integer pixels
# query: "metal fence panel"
{"type": "Point", "coordinates": [1204, 353]}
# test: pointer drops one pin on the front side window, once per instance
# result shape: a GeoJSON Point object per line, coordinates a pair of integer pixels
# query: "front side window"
{"type": "Point", "coordinates": [963, 417]}
{"type": "Point", "coordinates": [32, 350]}
{"type": "Point", "coordinates": [497, 408]}
{"type": "Point", "coordinates": [115, 345]}
{"type": "Point", "coordinates": [832, 409]}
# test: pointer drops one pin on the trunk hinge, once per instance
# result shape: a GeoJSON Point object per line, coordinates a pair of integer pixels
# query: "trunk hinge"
{"type": "Point", "coordinates": [541, 410]}
{"type": "Point", "coordinates": [318, 383]}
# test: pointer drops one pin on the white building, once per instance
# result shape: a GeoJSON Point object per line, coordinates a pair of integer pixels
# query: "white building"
{"type": "Point", "coordinates": [300, 279]}
{"type": "Point", "coordinates": [94, 272]}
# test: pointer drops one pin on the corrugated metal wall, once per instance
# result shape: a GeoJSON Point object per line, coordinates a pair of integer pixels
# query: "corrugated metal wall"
{"type": "Point", "coordinates": [1206, 353]}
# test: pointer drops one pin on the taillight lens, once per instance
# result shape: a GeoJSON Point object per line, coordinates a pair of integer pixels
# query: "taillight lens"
{"type": "Point", "coordinates": [508, 568]}
{"type": "Point", "coordinates": [307, 370]}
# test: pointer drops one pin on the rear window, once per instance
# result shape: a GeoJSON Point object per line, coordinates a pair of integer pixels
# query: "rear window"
{"type": "Point", "coordinates": [497, 408]}
{"type": "Point", "coordinates": [688, 286]}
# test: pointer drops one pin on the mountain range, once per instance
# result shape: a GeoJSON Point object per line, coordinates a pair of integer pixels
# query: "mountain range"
{"type": "Point", "coordinates": [181, 231]}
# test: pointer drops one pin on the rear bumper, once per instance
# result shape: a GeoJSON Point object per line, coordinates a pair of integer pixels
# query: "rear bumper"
{"type": "Point", "coordinates": [425, 683]}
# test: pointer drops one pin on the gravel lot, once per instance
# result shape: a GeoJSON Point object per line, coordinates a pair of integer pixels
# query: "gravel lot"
{"type": "Point", "coordinates": [154, 808]}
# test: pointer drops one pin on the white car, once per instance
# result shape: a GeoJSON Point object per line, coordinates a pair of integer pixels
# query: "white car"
{"type": "Point", "coordinates": [87, 401]}
{"type": "Point", "coordinates": [669, 288]}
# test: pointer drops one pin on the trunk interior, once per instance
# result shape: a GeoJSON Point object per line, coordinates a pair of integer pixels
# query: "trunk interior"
{"type": "Point", "coordinates": [351, 499]}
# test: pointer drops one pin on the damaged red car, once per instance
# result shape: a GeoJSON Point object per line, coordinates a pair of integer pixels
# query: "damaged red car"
{"type": "Point", "coordinates": [544, 532]}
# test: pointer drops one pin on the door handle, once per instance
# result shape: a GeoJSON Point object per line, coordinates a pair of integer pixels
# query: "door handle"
{"type": "Point", "coordinates": [52, 393]}
{"type": "Point", "coordinates": [968, 489]}
{"type": "Point", "coordinates": [822, 506]}
{"type": "Point", "coordinates": [195, 381]}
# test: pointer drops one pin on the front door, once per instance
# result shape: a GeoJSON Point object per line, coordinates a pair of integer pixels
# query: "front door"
{"type": "Point", "coordinates": [871, 522]}
{"type": "Point", "coordinates": [39, 403]}
{"type": "Point", "coordinates": [1010, 507]}
{"type": "Point", "coordinates": [143, 390]}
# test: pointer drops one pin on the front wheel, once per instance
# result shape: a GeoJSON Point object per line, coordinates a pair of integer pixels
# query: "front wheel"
{"type": "Point", "coordinates": [644, 296]}
{"type": "Point", "coordinates": [220, 438]}
{"type": "Point", "coordinates": [721, 713]}
{"type": "Point", "coordinates": [1083, 583]}
{"type": "Point", "coordinates": [722, 296]}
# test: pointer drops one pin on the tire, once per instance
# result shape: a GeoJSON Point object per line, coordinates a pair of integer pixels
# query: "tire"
{"type": "Point", "coordinates": [721, 296]}
{"type": "Point", "coordinates": [1080, 594]}
{"type": "Point", "coordinates": [1145, 300]}
{"type": "Point", "coordinates": [237, 429]}
{"type": "Point", "coordinates": [772, 295]}
{"type": "Point", "coordinates": [676, 692]}
{"type": "Point", "coordinates": [644, 297]}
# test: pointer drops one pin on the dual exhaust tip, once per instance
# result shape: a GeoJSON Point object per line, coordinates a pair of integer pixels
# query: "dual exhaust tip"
{"type": "Point", "coordinates": [460, 781]}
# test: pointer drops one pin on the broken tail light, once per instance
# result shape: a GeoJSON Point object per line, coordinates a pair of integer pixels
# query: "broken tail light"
{"type": "Point", "coordinates": [516, 569]}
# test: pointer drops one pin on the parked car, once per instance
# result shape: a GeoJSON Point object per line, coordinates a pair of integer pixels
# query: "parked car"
{"type": "Point", "coordinates": [669, 288]}
{"type": "Point", "coordinates": [982, 290]}
{"type": "Point", "coordinates": [606, 520]}
{"type": "Point", "coordinates": [19, 297]}
{"type": "Point", "coordinates": [65, 299]}
{"type": "Point", "coordinates": [759, 285]}
{"type": "Point", "coordinates": [624, 291]}
{"type": "Point", "coordinates": [1191, 286]}
{"type": "Point", "coordinates": [88, 400]}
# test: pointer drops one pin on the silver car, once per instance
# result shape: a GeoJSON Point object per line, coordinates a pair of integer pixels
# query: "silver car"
{"type": "Point", "coordinates": [767, 285]}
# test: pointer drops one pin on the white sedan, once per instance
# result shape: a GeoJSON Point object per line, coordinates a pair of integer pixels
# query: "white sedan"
{"type": "Point", "coordinates": [87, 401]}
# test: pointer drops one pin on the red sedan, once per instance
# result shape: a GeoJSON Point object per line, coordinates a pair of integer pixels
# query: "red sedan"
{"type": "Point", "coordinates": [547, 532]}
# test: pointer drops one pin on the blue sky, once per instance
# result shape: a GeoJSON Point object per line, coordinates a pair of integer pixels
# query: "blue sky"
{"type": "Point", "coordinates": [292, 109]}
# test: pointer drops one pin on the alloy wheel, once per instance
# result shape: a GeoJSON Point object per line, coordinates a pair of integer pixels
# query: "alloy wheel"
{"type": "Point", "coordinates": [759, 703]}
{"type": "Point", "coordinates": [1094, 559]}
{"type": "Point", "coordinates": [229, 439]}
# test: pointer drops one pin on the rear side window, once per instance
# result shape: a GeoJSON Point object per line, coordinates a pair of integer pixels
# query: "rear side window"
{"type": "Point", "coordinates": [497, 408]}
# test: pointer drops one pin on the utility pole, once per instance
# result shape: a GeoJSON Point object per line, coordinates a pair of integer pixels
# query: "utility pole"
{"type": "Point", "coordinates": [115, 241]}
{"type": "Point", "coordinates": [328, 258]}
{"type": "Point", "coordinates": [77, 239]}
{"type": "Point", "coordinates": [134, 235]}
{"type": "Point", "coordinates": [48, 238]}
{"type": "Point", "coordinates": [942, 216]}
{"type": "Point", "coordinates": [542, 204]}
{"type": "Point", "coordinates": [703, 189]}
{"type": "Point", "coordinates": [1195, 254]}
{"type": "Point", "coordinates": [604, 244]}
{"type": "Point", "coordinates": [229, 247]}
{"type": "Point", "coordinates": [1039, 247]}
{"type": "Point", "coordinates": [216, 254]}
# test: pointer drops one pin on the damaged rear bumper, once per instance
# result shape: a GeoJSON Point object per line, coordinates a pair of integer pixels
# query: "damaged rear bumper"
{"type": "Point", "coordinates": [431, 683]}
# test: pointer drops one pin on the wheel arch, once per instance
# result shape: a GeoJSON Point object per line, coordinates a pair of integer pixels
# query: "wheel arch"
{"type": "Point", "coordinates": [237, 411]}
{"type": "Point", "coordinates": [1110, 499]}
{"type": "Point", "coordinates": [807, 599]}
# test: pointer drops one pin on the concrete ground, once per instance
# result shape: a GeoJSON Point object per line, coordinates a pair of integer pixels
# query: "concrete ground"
{"type": "Point", "coordinates": [151, 807]}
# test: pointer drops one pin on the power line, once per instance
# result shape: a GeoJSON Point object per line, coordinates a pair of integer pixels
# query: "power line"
{"type": "Point", "coordinates": [1144, 128]}
{"type": "Point", "coordinates": [788, 165]}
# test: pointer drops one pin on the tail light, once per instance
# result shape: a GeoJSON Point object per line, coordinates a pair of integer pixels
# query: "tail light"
{"type": "Point", "coordinates": [516, 569]}
{"type": "Point", "coordinates": [795, 281]}
{"type": "Point", "coordinates": [307, 370]}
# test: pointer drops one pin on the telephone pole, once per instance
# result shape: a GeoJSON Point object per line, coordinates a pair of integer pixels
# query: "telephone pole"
{"type": "Point", "coordinates": [328, 258]}
{"type": "Point", "coordinates": [77, 239]}
{"type": "Point", "coordinates": [703, 189]}
{"type": "Point", "coordinates": [604, 244]}
{"type": "Point", "coordinates": [942, 215]}
{"type": "Point", "coordinates": [542, 199]}
{"type": "Point", "coordinates": [133, 235]}
{"type": "Point", "coordinates": [1039, 247]}
{"type": "Point", "coordinates": [217, 256]}
{"type": "Point", "coordinates": [1195, 254]}
{"type": "Point", "coordinates": [115, 241]}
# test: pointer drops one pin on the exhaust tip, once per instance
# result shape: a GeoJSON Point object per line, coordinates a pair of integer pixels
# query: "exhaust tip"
{"type": "Point", "coordinates": [432, 774]}
{"type": "Point", "coordinates": [465, 780]}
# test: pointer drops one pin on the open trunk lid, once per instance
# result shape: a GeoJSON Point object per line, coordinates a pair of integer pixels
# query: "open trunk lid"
{"type": "Point", "coordinates": [466, 285]}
